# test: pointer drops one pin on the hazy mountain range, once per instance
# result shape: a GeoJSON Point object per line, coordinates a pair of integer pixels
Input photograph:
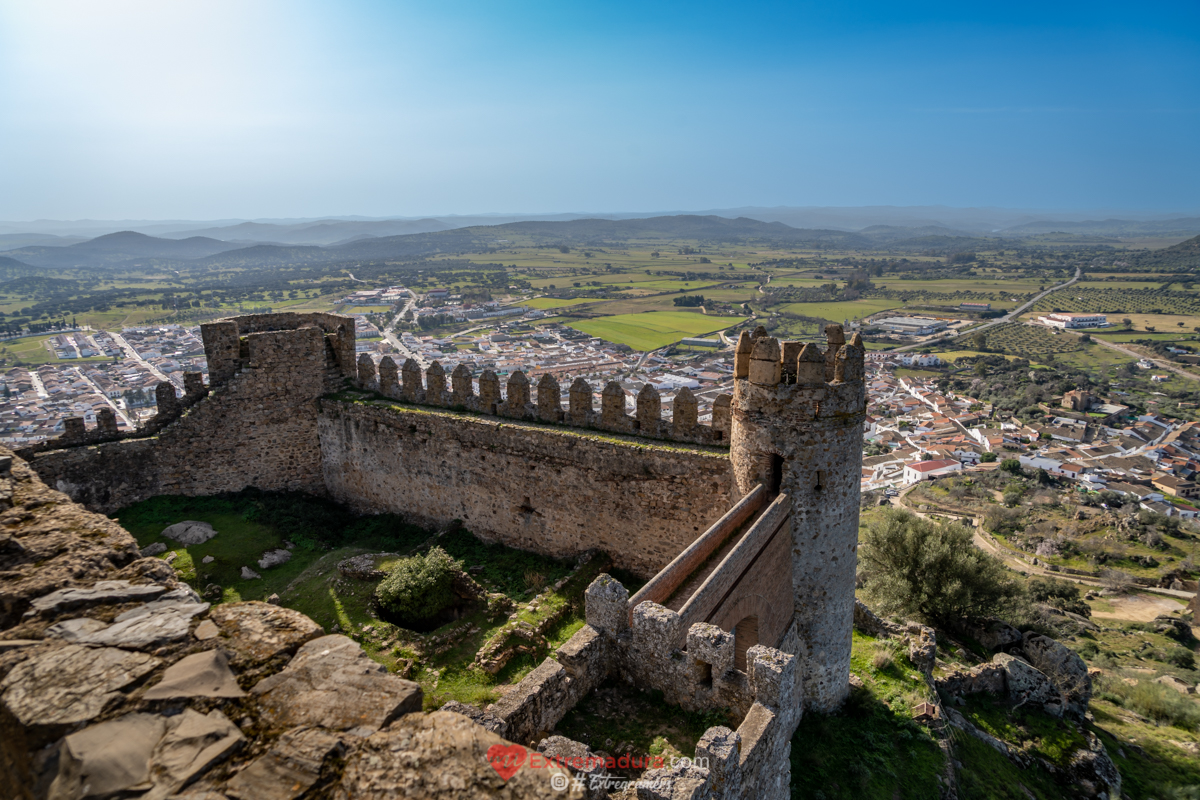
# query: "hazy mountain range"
{"type": "Point", "coordinates": [338, 230]}
{"type": "Point", "coordinates": [45, 254]}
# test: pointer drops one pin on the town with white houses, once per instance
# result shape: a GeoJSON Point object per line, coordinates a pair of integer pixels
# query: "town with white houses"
{"type": "Point", "coordinates": [917, 432]}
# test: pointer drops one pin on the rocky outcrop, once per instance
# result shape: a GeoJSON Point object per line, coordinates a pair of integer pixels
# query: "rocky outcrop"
{"type": "Point", "coordinates": [444, 755]}
{"type": "Point", "coordinates": [1027, 685]}
{"type": "Point", "coordinates": [332, 683]}
{"type": "Point", "coordinates": [1065, 669]}
{"type": "Point", "coordinates": [116, 680]}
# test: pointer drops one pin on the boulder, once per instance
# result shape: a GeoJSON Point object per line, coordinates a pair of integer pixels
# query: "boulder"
{"type": "Point", "coordinates": [995, 634]}
{"type": "Point", "coordinates": [207, 560]}
{"type": "Point", "coordinates": [72, 684]}
{"type": "Point", "coordinates": [189, 532]}
{"type": "Point", "coordinates": [1028, 685]}
{"type": "Point", "coordinates": [444, 756]}
{"type": "Point", "coordinates": [1171, 682]}
{"type": "Point", "coordinates": [193, 743]}
{"type": "Point", "coordinates": [204, 674]}
{"type": "Point", "coordinates": [1094, 771]}
{"type": "Point", "coordinates": [1066, 670]}
{"type": "Point", "coordinates": [73, 630]}
{"type": "Point", "coordinates": [273, 558]}
{"type": "Point", "coordinates": [249, 574]}
{"type": "Point", "coordinates": [155, 549]}
{"type": "Point", "coordinates": [290, 768]}
{"type": "Point", "coordinates": [332, 683]}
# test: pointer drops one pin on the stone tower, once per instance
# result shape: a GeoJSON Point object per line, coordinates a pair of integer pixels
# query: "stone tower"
{"type": "Point", "coordinates": [797, 428]}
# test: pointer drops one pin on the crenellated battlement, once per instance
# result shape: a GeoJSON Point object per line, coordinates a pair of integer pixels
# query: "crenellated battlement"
{"type": "Point", "coordinates": [518, 401]}
{"type": "Point", "coordinates": [799, 378]}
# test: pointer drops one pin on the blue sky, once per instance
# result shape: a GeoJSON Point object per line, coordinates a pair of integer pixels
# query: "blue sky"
{"type": "Point", "coordinates": [218, 109]}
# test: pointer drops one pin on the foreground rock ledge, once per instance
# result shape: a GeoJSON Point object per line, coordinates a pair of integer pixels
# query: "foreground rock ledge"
{"type": "Point", "coordinates": [116, 681]}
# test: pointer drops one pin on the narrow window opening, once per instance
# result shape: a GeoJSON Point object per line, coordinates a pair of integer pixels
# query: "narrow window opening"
{"type": "Point", "coordinates": [775, 475]}
{"type": "Point", "coordinates": [704, 675]}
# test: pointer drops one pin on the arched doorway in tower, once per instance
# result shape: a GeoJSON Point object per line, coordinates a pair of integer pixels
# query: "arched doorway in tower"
{"type": "Point", "coordinates": [745, 636]}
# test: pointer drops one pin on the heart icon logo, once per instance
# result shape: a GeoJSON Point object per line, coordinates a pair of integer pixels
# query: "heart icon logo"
{"type": "Point", "coordinates": [506, 759]}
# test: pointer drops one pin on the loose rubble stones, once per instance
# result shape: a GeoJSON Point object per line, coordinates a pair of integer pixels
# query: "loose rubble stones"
{"type": "Point", "coordinates": [249, 574]}
{"type": "Point", "coordinates": [190, 532]}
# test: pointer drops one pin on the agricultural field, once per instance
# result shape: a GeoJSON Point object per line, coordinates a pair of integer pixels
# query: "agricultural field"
{"type": "Point", "coordinates": [1123, 302]}
{"type": "Point", "coordinates": [554, 302]}
{"type": "Point", "coordinates": [840, 310]}
{"type": "Point", "coordinates": [33, 351]}
{"type": "Point", "coordinates": [652, 330]}
{"type": "Point", "coordinates": [1029, 341]}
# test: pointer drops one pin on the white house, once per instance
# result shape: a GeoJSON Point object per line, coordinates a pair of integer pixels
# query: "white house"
{"type": "Point", "coordinates": [928, 470]}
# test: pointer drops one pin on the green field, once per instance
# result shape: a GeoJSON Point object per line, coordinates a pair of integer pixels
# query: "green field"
{"type": "Point", "coordinates": [33, 351]}
{"type": "Point", "coordinates": [652, 330]}
{"type": "Point", "coordinates": [553, 302]}
{"type": "Point", "coordinates": [838, 311]}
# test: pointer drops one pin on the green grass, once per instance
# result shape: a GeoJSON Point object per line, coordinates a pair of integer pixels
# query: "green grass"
{"type": "Point", "coordinates": [840, 310]}
{"type": "Point", "coordinates": [1029, 730]}
{"type": "Point", "coordinates": [619, 718]}
{"type": "Point", "coordinates": [250, 523]}
{"type": "Point", "coordinates": [553, 302]}
{"type": "Point", "coordinates": [871, 748]}
{"type": "Point", "coordinates": [33, 351]}
{"type": "Point", "coordinates": [650, 331]}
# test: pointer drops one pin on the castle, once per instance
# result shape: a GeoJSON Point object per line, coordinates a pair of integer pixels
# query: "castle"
{"type": "Point", "coordinates": [746, 528]}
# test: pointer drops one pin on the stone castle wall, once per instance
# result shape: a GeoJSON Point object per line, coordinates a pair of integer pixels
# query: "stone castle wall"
{"type": "Point", "coordinates": [548, 489]}
{"type": "Point", "coordinates": [256, 427]}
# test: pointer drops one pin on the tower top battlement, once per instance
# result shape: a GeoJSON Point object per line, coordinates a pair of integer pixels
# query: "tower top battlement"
{"type": "Point", "coordinates": [797, 377]}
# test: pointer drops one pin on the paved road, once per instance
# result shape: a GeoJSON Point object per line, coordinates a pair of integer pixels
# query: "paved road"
{"type": "Point", "coordinates": [1009, 317]}
{"type": "Point", "coordinates": [133, 354]}
{"type": "Point", "coordinates": [1167, 365]}
{"type": "Point", "coordinates": [389, 333]}
{"type": "Point", "coordinates": [107, 399]}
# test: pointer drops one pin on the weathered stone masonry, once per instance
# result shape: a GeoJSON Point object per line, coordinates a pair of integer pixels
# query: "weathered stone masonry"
{"type": "Point", "coordinates": [543, 488]}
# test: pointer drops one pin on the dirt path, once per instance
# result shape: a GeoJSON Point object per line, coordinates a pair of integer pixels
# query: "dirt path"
{"type": "Point", "coordinates": [1137, 607]}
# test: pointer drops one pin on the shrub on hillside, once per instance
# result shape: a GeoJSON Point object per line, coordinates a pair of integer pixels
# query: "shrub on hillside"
{"type": "Point", "coordinates": [1160, 703]}
{"type": "Point", "coordinates": [916, 567]}
{"type": "Point", "coordinates": [1063, 595]}
{"type": "Point", "coordinates": [419, 587]}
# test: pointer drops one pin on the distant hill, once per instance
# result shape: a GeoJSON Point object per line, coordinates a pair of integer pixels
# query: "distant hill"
{"type": "Point", "coordinates": [323, 232]}
{"type": "Point", "coordinates": [13, 241]}
{"type": "Point", "coordinates": [1181, 226]}
{"type": "Point", "coordinates": [119, 248]}
{"type": "Point", "coordinates": [1182, 257]}
{"type": "Point", "coordinates": [11, 268]}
